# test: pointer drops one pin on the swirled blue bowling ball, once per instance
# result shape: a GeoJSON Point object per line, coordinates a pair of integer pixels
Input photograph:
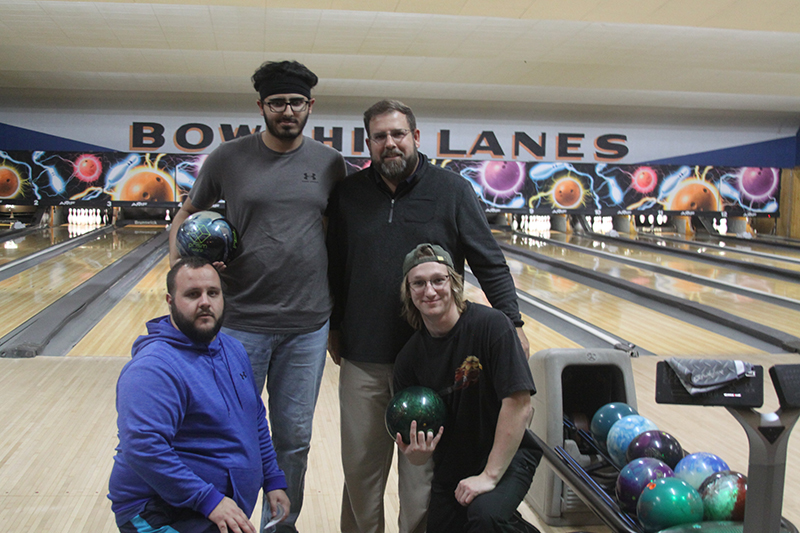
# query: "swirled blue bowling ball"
{"type": "Point", "coordinates": [656, 444]}
{"type": "Point", "coordinates": [607, 416]}
{"type": "Point", "coordinates": [415, 403]}
{"type": "Point", "coordinates": [635, 476]}
{"type": "Point", "coordinates": [696, 467]}
{"type": "Point", "coordinates": [668, 502]}
{"type": "Point", "coordinates": [724, 495]}
{"type": "Point", "coordinates": [207, 234]}
{"type": "Point", "coordinates": [622, 433]}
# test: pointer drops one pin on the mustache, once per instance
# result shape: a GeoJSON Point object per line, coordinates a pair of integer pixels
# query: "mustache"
{"type": "Point", "coordinates": [392, 151]}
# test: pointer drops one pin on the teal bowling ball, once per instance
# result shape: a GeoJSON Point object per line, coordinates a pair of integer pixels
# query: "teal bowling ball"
{"type": "Point", "coordinates": [668, 502]}
{"type": "Point", "coordinates": [415, 403]}
{"type": "Point", "coordinates": [607, 416]}
{"type": "Point", "coordinates": [209, 235]}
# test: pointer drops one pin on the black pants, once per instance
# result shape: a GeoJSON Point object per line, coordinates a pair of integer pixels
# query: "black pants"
{"type": "Point", "coordinates": [159, 517]}
{"type": "Point", "coordinates": [490, 512]}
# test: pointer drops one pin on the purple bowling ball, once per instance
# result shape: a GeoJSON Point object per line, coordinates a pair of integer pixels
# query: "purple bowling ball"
{"type": "Point", "coordinates": [635, 476]}
{"type": "Point", "coordinates": [503, 179]}
{"type": "Point", "coordinates": [696, 467]}
{"type": "Point", "coordinates": [656, 444]}
{"type": "Point", "coordinates": [759, 183]}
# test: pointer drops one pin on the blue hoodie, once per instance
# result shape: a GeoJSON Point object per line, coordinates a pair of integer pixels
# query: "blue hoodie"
{"type": "Point", "coordinates": [192, 427]}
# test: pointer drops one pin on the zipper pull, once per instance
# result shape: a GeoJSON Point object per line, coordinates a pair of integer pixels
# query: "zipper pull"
{"type": "Point", "coordinates": [391, 211]}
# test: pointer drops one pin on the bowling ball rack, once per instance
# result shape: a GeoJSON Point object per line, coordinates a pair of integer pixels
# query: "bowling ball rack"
{"type": "Point", "coordinates": [768, 435]}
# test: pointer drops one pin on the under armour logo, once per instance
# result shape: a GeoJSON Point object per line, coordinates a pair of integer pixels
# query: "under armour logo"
{"type": "Point", "coordinates": [309, 176]}
{"type": "Point", "coordinates": [243, 375]}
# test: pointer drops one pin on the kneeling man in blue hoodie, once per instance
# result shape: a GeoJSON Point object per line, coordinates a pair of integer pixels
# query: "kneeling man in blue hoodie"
{"type": "Point", "coordinates": [194, 444]}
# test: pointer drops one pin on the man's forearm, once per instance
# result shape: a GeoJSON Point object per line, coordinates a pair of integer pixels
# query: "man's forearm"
{"type": "Point", "coordinates": [183, 213]}
{"type": "Point", "coordinates": [511, 424]}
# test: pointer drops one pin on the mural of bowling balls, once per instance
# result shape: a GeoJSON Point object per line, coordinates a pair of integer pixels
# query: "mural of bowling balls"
{"type": "Point", "coordinates": [502, 179]}
{"type": "Point", "coordinates": [567, 193]}
{"type": "Point", "coordinates": [415, 403]}
{"type": "Point", "coordinates": [9, 182]}
{"type": "Point", "coordinates": [145, 184]}
{"type": "Point", "coordinates": [696, 467]}
{"type": "Point", "coordinates": [668, 502]}
{"type": "Point", "coordinates": [207, 234]}
{"type": "Point", "coordinates": [724, 495]}
{"type": "Point", "coordinates": [635, 476]}
{"type": "Point", "coordinates": [759, 184]}
{"type": "Point", "coordinates": [657, 444]}
{"type": "Point", "coordinates": [605, 417]}
{"type": "Point", "coordinates": [695, 195]}
{"type": "Point", "coordinates": [622, 433]}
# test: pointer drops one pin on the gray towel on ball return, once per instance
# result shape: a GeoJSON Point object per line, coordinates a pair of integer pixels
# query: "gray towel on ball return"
{"type": "Point", "coordinates": [704, 375]}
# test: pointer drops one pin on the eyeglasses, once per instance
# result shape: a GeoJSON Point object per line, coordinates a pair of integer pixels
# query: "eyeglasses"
{"type": "Point", "coordinates": [396, 135]}
{"type": "Point", "coordinates": [279, 105]}
{"type": "Point", "coordinates": [419, 285]}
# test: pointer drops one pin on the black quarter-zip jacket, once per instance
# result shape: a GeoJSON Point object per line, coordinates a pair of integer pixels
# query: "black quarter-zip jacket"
{"type": "Point", "coordinates": [369, 234]}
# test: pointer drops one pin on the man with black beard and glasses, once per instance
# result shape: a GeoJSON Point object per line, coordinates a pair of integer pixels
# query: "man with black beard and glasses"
{"type": "Point", "coordinates": [194, 443]}
{"type": "Point", "coordinates": [276, 185]}
{"type": "Point", "coordinates": [376, 216]}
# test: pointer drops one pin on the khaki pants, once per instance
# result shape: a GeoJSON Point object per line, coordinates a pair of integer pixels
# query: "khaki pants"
{"type": "Point", "coordinates": [365, 390]}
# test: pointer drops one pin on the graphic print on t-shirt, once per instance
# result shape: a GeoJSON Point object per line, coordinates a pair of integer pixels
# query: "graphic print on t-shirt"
{"type": "Point", "coordinates": [466, 374]}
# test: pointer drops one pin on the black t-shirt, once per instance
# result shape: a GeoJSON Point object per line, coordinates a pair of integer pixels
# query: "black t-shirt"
{"type": "Point", "coordinates": [477, 364]}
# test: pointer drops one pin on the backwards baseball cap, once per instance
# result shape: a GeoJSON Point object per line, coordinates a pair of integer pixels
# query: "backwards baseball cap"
{"type": "Point", "coordinates": [426, 253]}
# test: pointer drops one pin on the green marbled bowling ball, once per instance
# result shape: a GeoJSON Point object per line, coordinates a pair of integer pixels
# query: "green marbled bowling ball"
{"type": "Point", "coordinates": [415, 403]}
{"type": "Point", "coordinates": [668, 502]}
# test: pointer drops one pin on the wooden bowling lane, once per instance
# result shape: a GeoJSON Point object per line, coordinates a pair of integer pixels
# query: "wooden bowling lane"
{"type": "Point", "coordinates": [57, 443]}
{"type": "Point", "coordinates": [14, 249]}
{"type": "Point", "coordinates": [539, 336]}
{"type": "Point", "coordinates": [115, 333]}
{"type": "Point", "coordinates": [716, 272]}
{"type": "Point", "coordinates": [758, 311]}
{"type": "Point", "coordinates": [759, 245]}
{"type": "Point", "coordinates": [648, 329]}
{"type": "Point", "coordinates": [744, 254]}
{"type": "Point", "coordinates": [34, 289]}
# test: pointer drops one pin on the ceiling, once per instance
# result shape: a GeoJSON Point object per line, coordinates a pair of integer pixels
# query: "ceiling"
{"type": "Point", "coordinates": [716, 58]}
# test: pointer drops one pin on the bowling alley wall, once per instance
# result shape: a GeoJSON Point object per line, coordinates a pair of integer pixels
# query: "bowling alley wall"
{"type": "Point", "coordinates": [541, 168]}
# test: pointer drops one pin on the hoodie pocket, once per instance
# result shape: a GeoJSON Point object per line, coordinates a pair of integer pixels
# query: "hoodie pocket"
{"type": "Point", "coordinates": [245, 484]}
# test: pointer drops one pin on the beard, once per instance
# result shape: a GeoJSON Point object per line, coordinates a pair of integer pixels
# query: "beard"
{"type": "Point", "coordinates": [398, 169]}
{"type": "Point", "coordinates": [195, 334]}
{"type": "Point", "coordinates": [286, 128]}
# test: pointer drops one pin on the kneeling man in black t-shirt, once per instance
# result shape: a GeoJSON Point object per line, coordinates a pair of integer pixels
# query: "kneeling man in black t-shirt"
{"type": "Point", "coordinates": [471, 355]}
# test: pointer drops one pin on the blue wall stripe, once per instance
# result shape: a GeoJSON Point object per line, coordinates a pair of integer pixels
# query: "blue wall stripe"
{"type": "Point", "coordinates": [15, 138]}
{"type": "Point", "coordinates": [781, 153]}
